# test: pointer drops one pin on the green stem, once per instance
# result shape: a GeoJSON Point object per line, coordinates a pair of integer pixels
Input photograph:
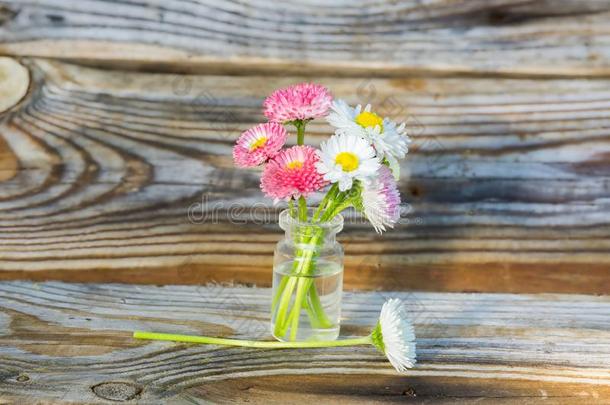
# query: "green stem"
{"type": "Point", "coordinates": [295, 314]}
{"type": "Point", "coordinates": [301, 268]}
{"type": "Point", "coordinates": [302, 209]}
{"type": "Point", "coordinates": [317, 317]}
{"type": "Point", "coordinates": [317, 309]}
{"type": "Point", "coordinates": [282, 310]}
{"type": "Point", "coordinates": [365, 340]}
{"type": "Point", "coordinates": [278, 292]}
{"type": "Point", "coordinates": [300, 131]}
{"type": "Point", "coordinates": [340, 203]}
{"type": "Point", "coordinates": [329, 213]}
{"type": "Point", "coordinates": [313, 317]}
{"type": "Point", "coordinates": [340, 207]}
{"type": "Point", "coordinates": [325, 201]}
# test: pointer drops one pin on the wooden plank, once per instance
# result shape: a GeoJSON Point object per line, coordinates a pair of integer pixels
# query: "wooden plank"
{"type": "Point", "coordinates": [514, 37]}
{"type": "Point", "coordinates": [129, 178]}
{"type": "Point", "coordinates": [72, 342]}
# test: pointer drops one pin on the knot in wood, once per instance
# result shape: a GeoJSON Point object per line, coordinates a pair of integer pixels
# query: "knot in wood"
{"type": "Point", "coordinates": [116, 391]}
{"type": "Point", "coordinates": [409, 392]}
{"type": "Point", "coordinates": [23, 378]}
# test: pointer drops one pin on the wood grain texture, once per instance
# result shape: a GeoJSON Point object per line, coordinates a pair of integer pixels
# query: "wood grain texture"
{"type": "Point", "coordinates": [14, 83]}
{"type": "Point", "coordinates": [72, 342]}
{"type": "Point", "coordinates": [518, 37]}
{"type": "Point", "coordinates": [128, 177]}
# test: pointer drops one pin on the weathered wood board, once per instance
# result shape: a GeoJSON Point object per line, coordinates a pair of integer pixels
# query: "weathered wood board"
{"type": "Point", "coordinates": [561, 37]}
{"type": "Point", "coordinates": [126, 176]}
{"type": "Point", "coordinates": [119, 172]}
{"type": "Point", "coordinates": [72, 342]}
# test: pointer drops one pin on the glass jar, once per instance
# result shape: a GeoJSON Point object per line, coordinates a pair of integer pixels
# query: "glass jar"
{"type": "Point", "coordinates": [307, 280]}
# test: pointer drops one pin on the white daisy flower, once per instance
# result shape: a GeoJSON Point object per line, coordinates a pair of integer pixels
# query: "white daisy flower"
{"type": "Point", "coordinates": [344, 158]}
{"type": "Point", "coordinates": [389, 139]}
{"type": "Point", "coordinates": [381, 200]}
{"type": "Point", "coordinates": [394, 335]}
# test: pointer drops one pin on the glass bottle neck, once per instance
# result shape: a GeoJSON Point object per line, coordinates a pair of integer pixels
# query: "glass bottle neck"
{"type": "Point", "coordinates": [310, 232]}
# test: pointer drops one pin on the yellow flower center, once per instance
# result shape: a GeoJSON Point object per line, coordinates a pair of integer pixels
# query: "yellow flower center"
{"type": "Point", "coordinates": [347, 160]}
{"type": "Point", "coordinates": [258, 143]}
{"type": "Point", "coordinates": [368, 119]}
{"type": "Point", "coordinates": [295, 164]}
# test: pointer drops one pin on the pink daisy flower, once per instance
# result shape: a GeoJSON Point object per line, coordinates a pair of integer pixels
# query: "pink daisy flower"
{"type": "Point", "coordinates": [259, 144]}
{"type": "Point", "coordinates": [381, 200]}
{"type": "Point", "coordinates": [302, 101]}
{"type": "Point", "coordinates": [292, 173]}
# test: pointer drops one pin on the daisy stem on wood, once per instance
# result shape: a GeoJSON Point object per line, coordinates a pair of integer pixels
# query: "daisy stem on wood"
{"type": "Point", "coordinates": [393, 335]}
{"type": "Point", "coordinates": [365, 340]}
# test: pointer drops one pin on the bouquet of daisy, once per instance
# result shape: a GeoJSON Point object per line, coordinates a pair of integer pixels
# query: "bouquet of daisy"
{"type": "Point", "coordinates": [358, 167]}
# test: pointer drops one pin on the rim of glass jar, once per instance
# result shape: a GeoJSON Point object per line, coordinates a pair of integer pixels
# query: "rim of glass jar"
{"type": "Point", "coordinates": [287, 222]}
